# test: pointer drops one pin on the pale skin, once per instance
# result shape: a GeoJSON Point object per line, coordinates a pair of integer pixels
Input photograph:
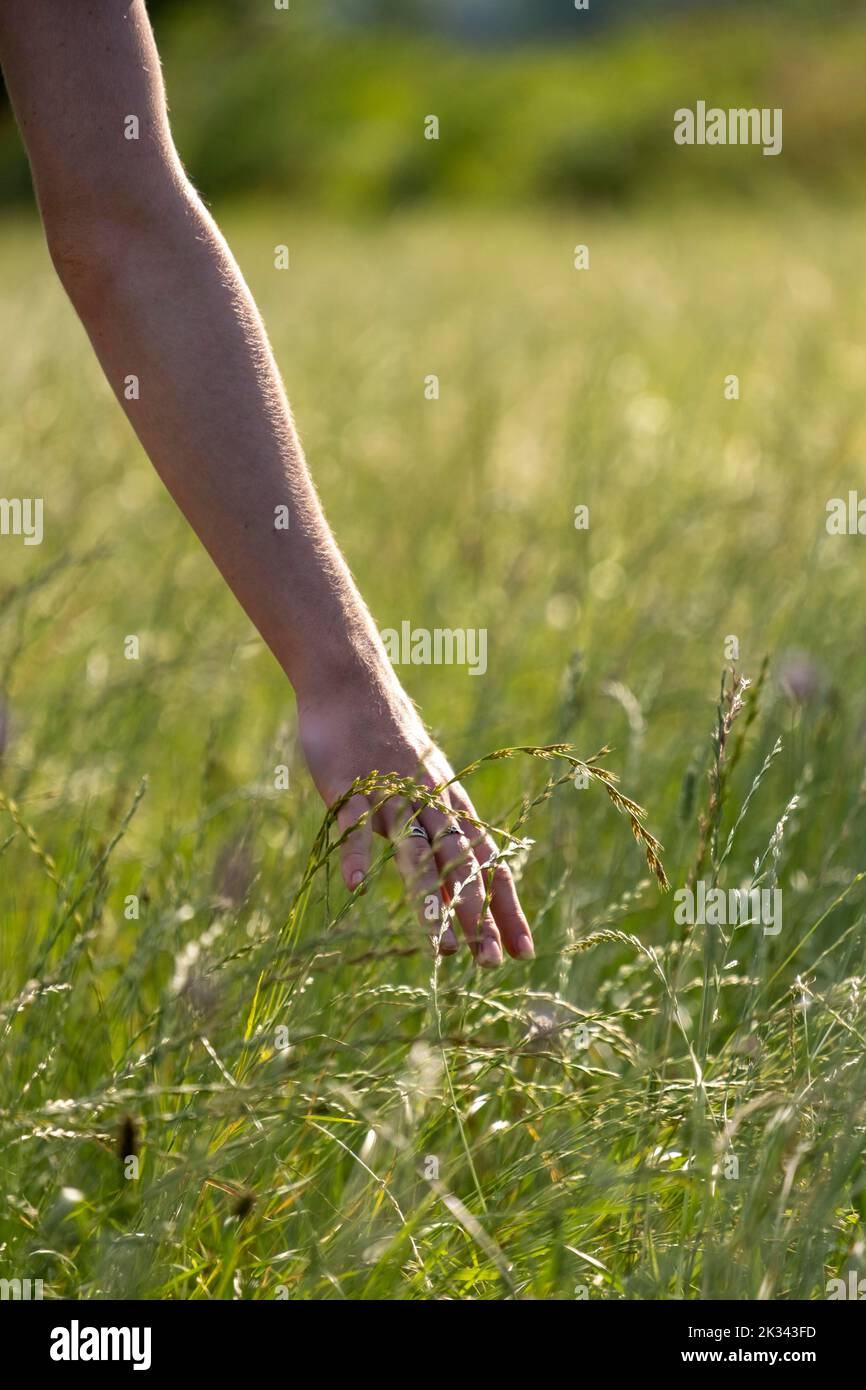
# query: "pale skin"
{"type": "Point", "coordinates": [161, 297]}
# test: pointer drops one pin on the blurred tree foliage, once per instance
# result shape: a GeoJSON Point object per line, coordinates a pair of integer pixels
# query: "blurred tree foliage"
{"type": "Point", "coordinates": [321, 103]}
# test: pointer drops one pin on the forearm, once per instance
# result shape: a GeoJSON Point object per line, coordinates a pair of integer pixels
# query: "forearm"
{"type": "Point", "coordinates": [164, 302]}
{"type": "Point", "coordinates": [167, 304]}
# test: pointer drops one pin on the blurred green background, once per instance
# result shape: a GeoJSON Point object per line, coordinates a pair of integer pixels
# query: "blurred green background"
{"type": "Point", "coordinates": [324, 102]}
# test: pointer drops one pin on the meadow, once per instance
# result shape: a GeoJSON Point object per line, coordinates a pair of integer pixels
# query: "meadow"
{"type": "Point", "coordinates": [316, 1108]}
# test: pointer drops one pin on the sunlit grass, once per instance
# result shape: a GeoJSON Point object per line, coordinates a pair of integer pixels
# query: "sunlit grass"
{"type": "Point", "coordinates": [426, 1131]}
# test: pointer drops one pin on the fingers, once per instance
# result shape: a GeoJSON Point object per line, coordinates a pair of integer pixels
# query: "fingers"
{"type": "Point", "coordinates": [357, 849]}
{"type": "Point", "coordinates": [463, 885]}
{"type": "Point", "coordinates": [419, 872]}
{"type": "Point", "coordinates": [504, 902]}
{"type": "Point", "coordinates": [453, 869]}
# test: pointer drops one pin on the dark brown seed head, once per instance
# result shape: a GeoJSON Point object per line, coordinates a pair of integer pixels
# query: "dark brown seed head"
{"type": "Point", "coordinates": [244, 1204]}
{"type": "Point", "coordinates": [127, 1139]}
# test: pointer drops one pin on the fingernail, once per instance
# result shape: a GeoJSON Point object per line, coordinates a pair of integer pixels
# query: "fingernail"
{"type": "Point", "coordinates": [489, 955]}
{"type": "Point", "coordinates": [525, 949]}
{"type": "Point", "coordinates": [356, 880]}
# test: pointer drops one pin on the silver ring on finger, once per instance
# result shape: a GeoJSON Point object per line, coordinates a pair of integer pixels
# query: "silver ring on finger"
{"type": "Point", "coordinates": [453, 829]}
{"type": "Point", "coordinates": [418, 832]}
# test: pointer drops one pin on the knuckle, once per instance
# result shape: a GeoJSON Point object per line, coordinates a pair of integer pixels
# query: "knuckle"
{"type": "Point", "coordinates": [453, 846]}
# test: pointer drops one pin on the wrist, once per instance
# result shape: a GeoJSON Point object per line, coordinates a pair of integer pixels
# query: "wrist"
{"type": "Point", "coordinates": [355, 671]}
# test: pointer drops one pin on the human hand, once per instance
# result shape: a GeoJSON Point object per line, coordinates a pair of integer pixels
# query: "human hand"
{"type": "Point", "coordinates": [354, 732]}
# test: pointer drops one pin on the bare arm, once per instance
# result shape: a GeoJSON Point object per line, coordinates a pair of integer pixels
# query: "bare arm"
{"type": "Point", "coordinates": [162, 298]}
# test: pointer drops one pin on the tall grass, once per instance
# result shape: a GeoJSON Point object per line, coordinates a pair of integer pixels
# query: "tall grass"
{"type": "Point", "coordinates": [317, 1107]}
